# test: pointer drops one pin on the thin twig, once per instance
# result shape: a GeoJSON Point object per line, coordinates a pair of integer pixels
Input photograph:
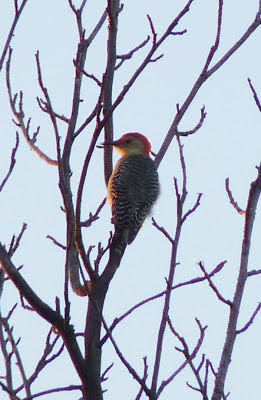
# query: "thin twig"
{"type": "Point", "coordinates": [91, 76]}
{"type": "Point", "coordinates": [145, 376]}
{"type": "Point", "coordinates": [193, 209]}
{"type": "Point", "coordinates": [49, 107]}
{"type": "Point", "coordinates": [163, 230]}
{"type": "Point", "coordinates": [251, 320]}
{"type": "Point", "coordinates": [128, 56]}
{"type": "Point", "coordinates": [56, 390]}
{"type": "Point", "coordinates": [232, 200]}
{"type": "Point", "coordinates": [101, 252]}
{"type": "Point", "coordinates": [95, 216]}
{"type": "Point", "coordinates": [201, 363]}
{"type": "Point", "coordinates": [16, 241]}
{"type": "Point", "coordinates": [254, 94]}
{"type": "Point", "coordinates": [12, 163]}
{"type": "Point", "coordinates": [105, 372]}
{"type": "Point", "coordinates": [44, 107]}
{"type": "Point", "coordinates": [88, 120]}
{"type": "Point", "coordinates": [62, 246]}
{"type": "Point", "coordinates": [179, 33]}
{"type": "Point", "coordinates": [254, 272]}
{"type": "Point", "coordinates": [213, 287]}
{"type": "Point", "coordinates": [154, 34]}
{"type": "Point", "coordinates": [18, 12]}
{"type": "Point", "coordinates": [3, 345]}
{"type": "Point", "coordinates": [198, 126]}
{"type": "Point", "coordinates": [78, 15]}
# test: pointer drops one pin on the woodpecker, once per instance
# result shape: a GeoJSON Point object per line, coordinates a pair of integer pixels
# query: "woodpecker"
{"type": "Point", "coordinates": [132, 189]}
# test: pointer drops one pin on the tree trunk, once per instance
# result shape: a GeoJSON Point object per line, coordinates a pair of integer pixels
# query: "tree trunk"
{"type": "Point", "coordinates": [93, 389]}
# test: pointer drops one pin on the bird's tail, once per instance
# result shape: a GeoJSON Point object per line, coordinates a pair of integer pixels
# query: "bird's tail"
{"type": "Point", "coordinates": [118, 243]}
{"type": "Point", "coordinates": [121, 238]}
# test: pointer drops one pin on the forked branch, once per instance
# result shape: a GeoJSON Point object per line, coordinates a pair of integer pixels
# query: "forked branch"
{"type": "Point", "coordinates": [20, 117]}
{"type": "Point", "coordinates": [254, 194]}
{"type": "Point", "coordinates": [205, 74]}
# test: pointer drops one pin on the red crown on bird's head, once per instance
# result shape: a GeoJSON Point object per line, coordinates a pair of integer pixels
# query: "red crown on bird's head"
{"type": "Point", "coordinates": [139, 136]}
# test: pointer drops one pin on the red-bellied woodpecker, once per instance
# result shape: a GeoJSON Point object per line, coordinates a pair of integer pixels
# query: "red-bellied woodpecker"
{"type": "Point", "coordinates": [133, 187]}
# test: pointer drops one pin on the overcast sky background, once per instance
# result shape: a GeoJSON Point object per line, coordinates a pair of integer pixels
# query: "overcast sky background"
{"type": "Point", "coordinates": [227, 145]}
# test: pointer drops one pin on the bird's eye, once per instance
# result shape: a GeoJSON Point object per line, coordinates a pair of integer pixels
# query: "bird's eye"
{"type": "Point", "coordinates": [128, 141]}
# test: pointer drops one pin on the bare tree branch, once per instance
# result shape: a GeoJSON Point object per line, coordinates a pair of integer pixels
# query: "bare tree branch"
{"type": "Point", "coordinates": [15, 242]}
{"type": "Point", "coordinates": [95, 216]}
{"type": "Point", "coordinates": [107, 84]}
{"type": "Point", "coordinates": [4, 343]}
{"type": "Point", "coordinates": [78, 15]}
{"type": "Point", "coordinates": [74, 232]}
{"type": "Point", "coordinates": [19, 115]}
{"type": "Point", "coordinates": [18, 12]}
{"type": "Point", "coordinates": [56, 390]}
{"type": "Point", "coordinates": [12, 163]}
{"type": "Point", "coordinates": [19, 363]}
{"type": "Point", "coordinates": [131, 370]}
{"type": "Point", "coordinates": [206, 73]}
{"type": "Point", "coordinates": [88, 120]}
{"type": "Point", "coordinates": [193, 209]}
{"type": "Point", "coordinates": [189, 357]}
{"type": "Point", "coordinates": [148, 58]}
{"type": "Point", "coordinates": [62, 246]}
{"type": "Point", "coordinates": [180, 199]}
{"type": "Point", "coordinates": [254, 272]}
{"type": "Point", "coordinates": [231, 335]}
{"type": "Point", "coordinates": [252, 27]}
{"type": "Point", "coordinates": [91, 76]}
{"type": "Point", "coordinates": [11, 393]}
{"type": "Point", "coordinates": [213, 287]}
{"type": "Point", "coordinates": [163, 230]}
{"type": "Point", "coordinates": [103, 376]}
{"type": "Point", "coordinates": [79, 253]}
{"type": "Point", "coordinates": [154, 34]}
{"type": "Point", "coordinates": [46, 312]}
{"type": "Point", "coordinates": [128, 56]}
{"type": "Point", "coordinates": [193, 281]}
{"type": "Point", "coordinates": [49, 107]}
{"type": "Point", "coordinates": [232, 200]}
{"type": "Point", "coordinates": [44, 107]}
{"type": "Point", "coordinates": [198, 126]}
{"type": "Point", "coordinates": [251, 320]}
{"type": "Point", "coordinates": [256, 98]}
{"type": "Point", "coordinates": [145, 376]}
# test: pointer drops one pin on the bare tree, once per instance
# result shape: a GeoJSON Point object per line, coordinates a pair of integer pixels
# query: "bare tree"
{"type": "Point", "coordinates": [90, 267]}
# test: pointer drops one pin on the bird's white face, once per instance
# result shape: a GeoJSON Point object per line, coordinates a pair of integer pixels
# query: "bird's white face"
{"type": "Point", "coordinates": [130, 146]}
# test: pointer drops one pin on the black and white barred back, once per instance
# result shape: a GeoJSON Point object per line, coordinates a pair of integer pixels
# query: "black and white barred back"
{"type": "Point", "coordinates": [134, 187]}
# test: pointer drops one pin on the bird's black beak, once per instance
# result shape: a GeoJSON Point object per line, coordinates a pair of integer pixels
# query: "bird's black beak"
{"type": "Point", "coordinates": [101, 145]}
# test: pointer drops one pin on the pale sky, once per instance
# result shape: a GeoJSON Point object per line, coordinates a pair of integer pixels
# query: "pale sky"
{"type": "Point", "coordinates": [227, 145]}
